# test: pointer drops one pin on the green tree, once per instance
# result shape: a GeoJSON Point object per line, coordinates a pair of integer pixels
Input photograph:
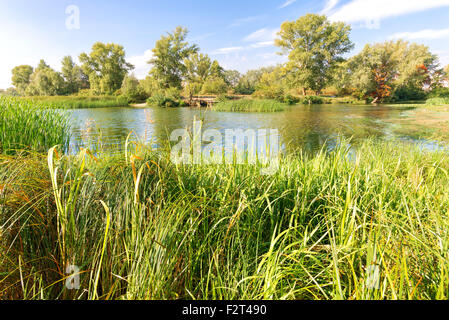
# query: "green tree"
{"type": "Point", "coordinates": [392, 69]}
{"type": "Point", "coordinates": [314, 46]}
{"type": "Point", "coordinates": [21, 77]}
{"type": "Point", "coordinates": [74, 77]}
{"type": "Point", "coordinates": [169, 54]}
{"type": "Point", "coordinates": [106, 67]}
{"type": "Point", "coordinates": [132, 90]}
{"type": "Point", "coordinates": [272, 84]}
{"type": "Point", "coordinates": [249, 81]}
{"type": "Point", "coordinates": [232, 78]}
{"type": "Point", "coordinates": [214, 85]}
{"type": "Point", "coordinates": [45, 82]}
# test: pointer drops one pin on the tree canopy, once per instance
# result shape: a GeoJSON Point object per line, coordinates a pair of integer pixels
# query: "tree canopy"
{"type": "Point", "coordinates": [106, 67]}
{"type": "Point", "coordinates": [169, 55]}
{"type": "Point", "coordinates": [314, 47]}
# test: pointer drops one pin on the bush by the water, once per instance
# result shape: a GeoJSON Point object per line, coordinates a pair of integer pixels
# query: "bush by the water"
{"type": "Point", "coordinates": [249, 105]}
{"type": "Point", "coordinates": [140, 227]}
{"type": "Point", "coordinates": [168, 98]}
{"type": "Point", "coordinates": [438, 101]}
{"type": "Point", "coordinates": [29, 125]}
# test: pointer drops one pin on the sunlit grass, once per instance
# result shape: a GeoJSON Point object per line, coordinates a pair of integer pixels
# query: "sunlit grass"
{"type": "Point", "coordinates": [80, 102]}
{"type": "Point", "coordinates": [31, 126]}
{"type": "Point", "coordinates": [249, 105]}
{"type": "Point", "coordinates": [140, 227]}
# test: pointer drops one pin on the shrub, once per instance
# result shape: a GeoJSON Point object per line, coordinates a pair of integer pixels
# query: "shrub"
{"type": "Point", "coordinates": [249, 105]}
{"type": "Point", "coordinates": [311, 100]}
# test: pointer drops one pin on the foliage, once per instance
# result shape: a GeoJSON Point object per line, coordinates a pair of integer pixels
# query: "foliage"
{"type": "Point", "coordinates": [438, 101]}
{"type": "Point", "coordinates": [140, 227]}
{"type": "Point", "coordinates": [75, 79]}
{"type": "Point", "coordinates": [78, 101]}
{"type": "Point", "coordinates": [106, 67]}
{"type": "Point", "coordinates": [132, 90]}
{"type": "Point", "coordinates": [214, 85]}
{"type": "Point", "coordinates": [21, 77]}
{"type": "Point", "coordinates": [248, 82]}
{"type": "Point", "coordinates": [314, 47]}
{"type": "Point", "coordinates": [168, 57]}
{"type": "Point", "coordinates": [27, 125]}
{"type": "Point", "coordinates": [384, 68]}
{"type": "Point", "coordinates": [249, 105]}
{"type": "Point", "coordinates": [168, 98]}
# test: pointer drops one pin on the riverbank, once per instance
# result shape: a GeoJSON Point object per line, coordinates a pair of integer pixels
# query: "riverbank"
{"type": "Point", "coordinates": [78, 102]}
{"type": "Point", "coordinates": [370, 225]}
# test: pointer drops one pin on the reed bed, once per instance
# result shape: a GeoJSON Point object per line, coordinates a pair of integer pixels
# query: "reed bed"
{"type": "Point", "coordinates": [140, 227]}
{"type": "Point", "coordinates": [80, 102]}
{"type": "Point", "coordinates": [249, 105]}
{"type": "Point", "coordinates": [27, 125]}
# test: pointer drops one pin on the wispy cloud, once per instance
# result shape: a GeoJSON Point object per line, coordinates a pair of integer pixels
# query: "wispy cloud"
{"type": "Point", "coordinates": [330, 4]}
{"type": "Point", "coordinates": [371, 12]}
{"type": "Point", "coordinates": [243, 21]}
{"type": "Point", "coordinates": [228, 50]}
{"type": "Point", "coordinates": [423, 34]}
{"type": "Point", "coordinates": [286, 4]}
{"type": "Point", "coordinates": [262, 35]}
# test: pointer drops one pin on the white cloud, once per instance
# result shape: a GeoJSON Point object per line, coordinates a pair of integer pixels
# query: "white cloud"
{"type": "Point", "coordinates": [262, 44]}
{"type": "Point", "coordinates": [141, 64]}
{"type": "Point", "coordinates": [286, 4]}
{"type": "Point", "coordinates": [330, 4]}
{"type": "Point", "coordinates": [373, 11]}
{"type": "Point", "coordinates": [423, 34]}
{"type": "Point", "coordinates": [228, 50]}
{"type": "Point", "coordinates": [243, 21]}
{"type": "Point", "coordinates": [262, 35]}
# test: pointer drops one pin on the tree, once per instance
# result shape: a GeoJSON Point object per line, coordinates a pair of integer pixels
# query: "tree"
{"type": "Point", "coordinates": [232, 78]}
{"type": "Point", "coordinates": [314, 47]}
{"type": "Point", "coordinates": [106, 67]}
{"type": "Point", "coordinates": [214, 85]}
{"type": "Point", "coordinates": [272, 84]}
{"type": "Point", "coordinates": [21, 77]}
{"type": "Point", "coordinates": [45, 82]}
{"type": "Point", "coordinates": [203, 75]}
{"type": "Point", "coordinates": [248, 82]}
{"type": "Point", "coordinates": [132, 90]}
{"type": "Point", "coordinates": [392, 69]}
{"type": "Point", "coordinates": [74, 77]}
{"type": "Point", "coordinates": [169, 54]}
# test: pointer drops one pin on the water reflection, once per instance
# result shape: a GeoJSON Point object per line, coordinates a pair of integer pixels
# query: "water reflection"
{"type": "Point", "coordinates": [306, 127]}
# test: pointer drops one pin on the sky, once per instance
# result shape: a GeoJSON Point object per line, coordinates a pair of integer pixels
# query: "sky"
{"type": "Point", "coordinates": [238, 33]}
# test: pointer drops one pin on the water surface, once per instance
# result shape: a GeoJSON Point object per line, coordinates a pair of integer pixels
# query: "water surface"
{"type": "Point", "coordinates": [306, 127]}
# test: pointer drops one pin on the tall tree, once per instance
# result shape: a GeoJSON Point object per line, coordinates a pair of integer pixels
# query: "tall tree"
{"type": "Point", "coordinates": [392, 68]}
{"type": "Point", "coordinates": [314, 46]}
{"type": "Point", "coordinates": [106, 67]}
{"type": "Point", "coordinates": [232, 78]}
{"type": "Point", "coordinates": [21, 77]}
{"type": "Point", "coordinates": [45, 82]}
{"type": "Point", "coordinates": [74, 77]}
{"type": "Point", "coordinates": [169, 54]}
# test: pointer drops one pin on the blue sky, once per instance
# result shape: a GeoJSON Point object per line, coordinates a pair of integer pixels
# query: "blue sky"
{"type": "Point", "coordinates": [238, 33]}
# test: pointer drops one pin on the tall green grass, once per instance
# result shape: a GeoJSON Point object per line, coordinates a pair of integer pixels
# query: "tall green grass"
{"type": "Point", "coordinates": [437, 101]}
{"type": "Point", "coordinates": [140, 227]}
{"type": "Point", "coordinates": [31, 126]}
{"type": "Point", "coordinates": [249, 105]}
{"type": "Point", "coordinates": [80, 102]}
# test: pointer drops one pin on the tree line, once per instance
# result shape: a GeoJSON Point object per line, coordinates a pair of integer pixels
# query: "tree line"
{"type": "Point", "coordinates": [316, 49]}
